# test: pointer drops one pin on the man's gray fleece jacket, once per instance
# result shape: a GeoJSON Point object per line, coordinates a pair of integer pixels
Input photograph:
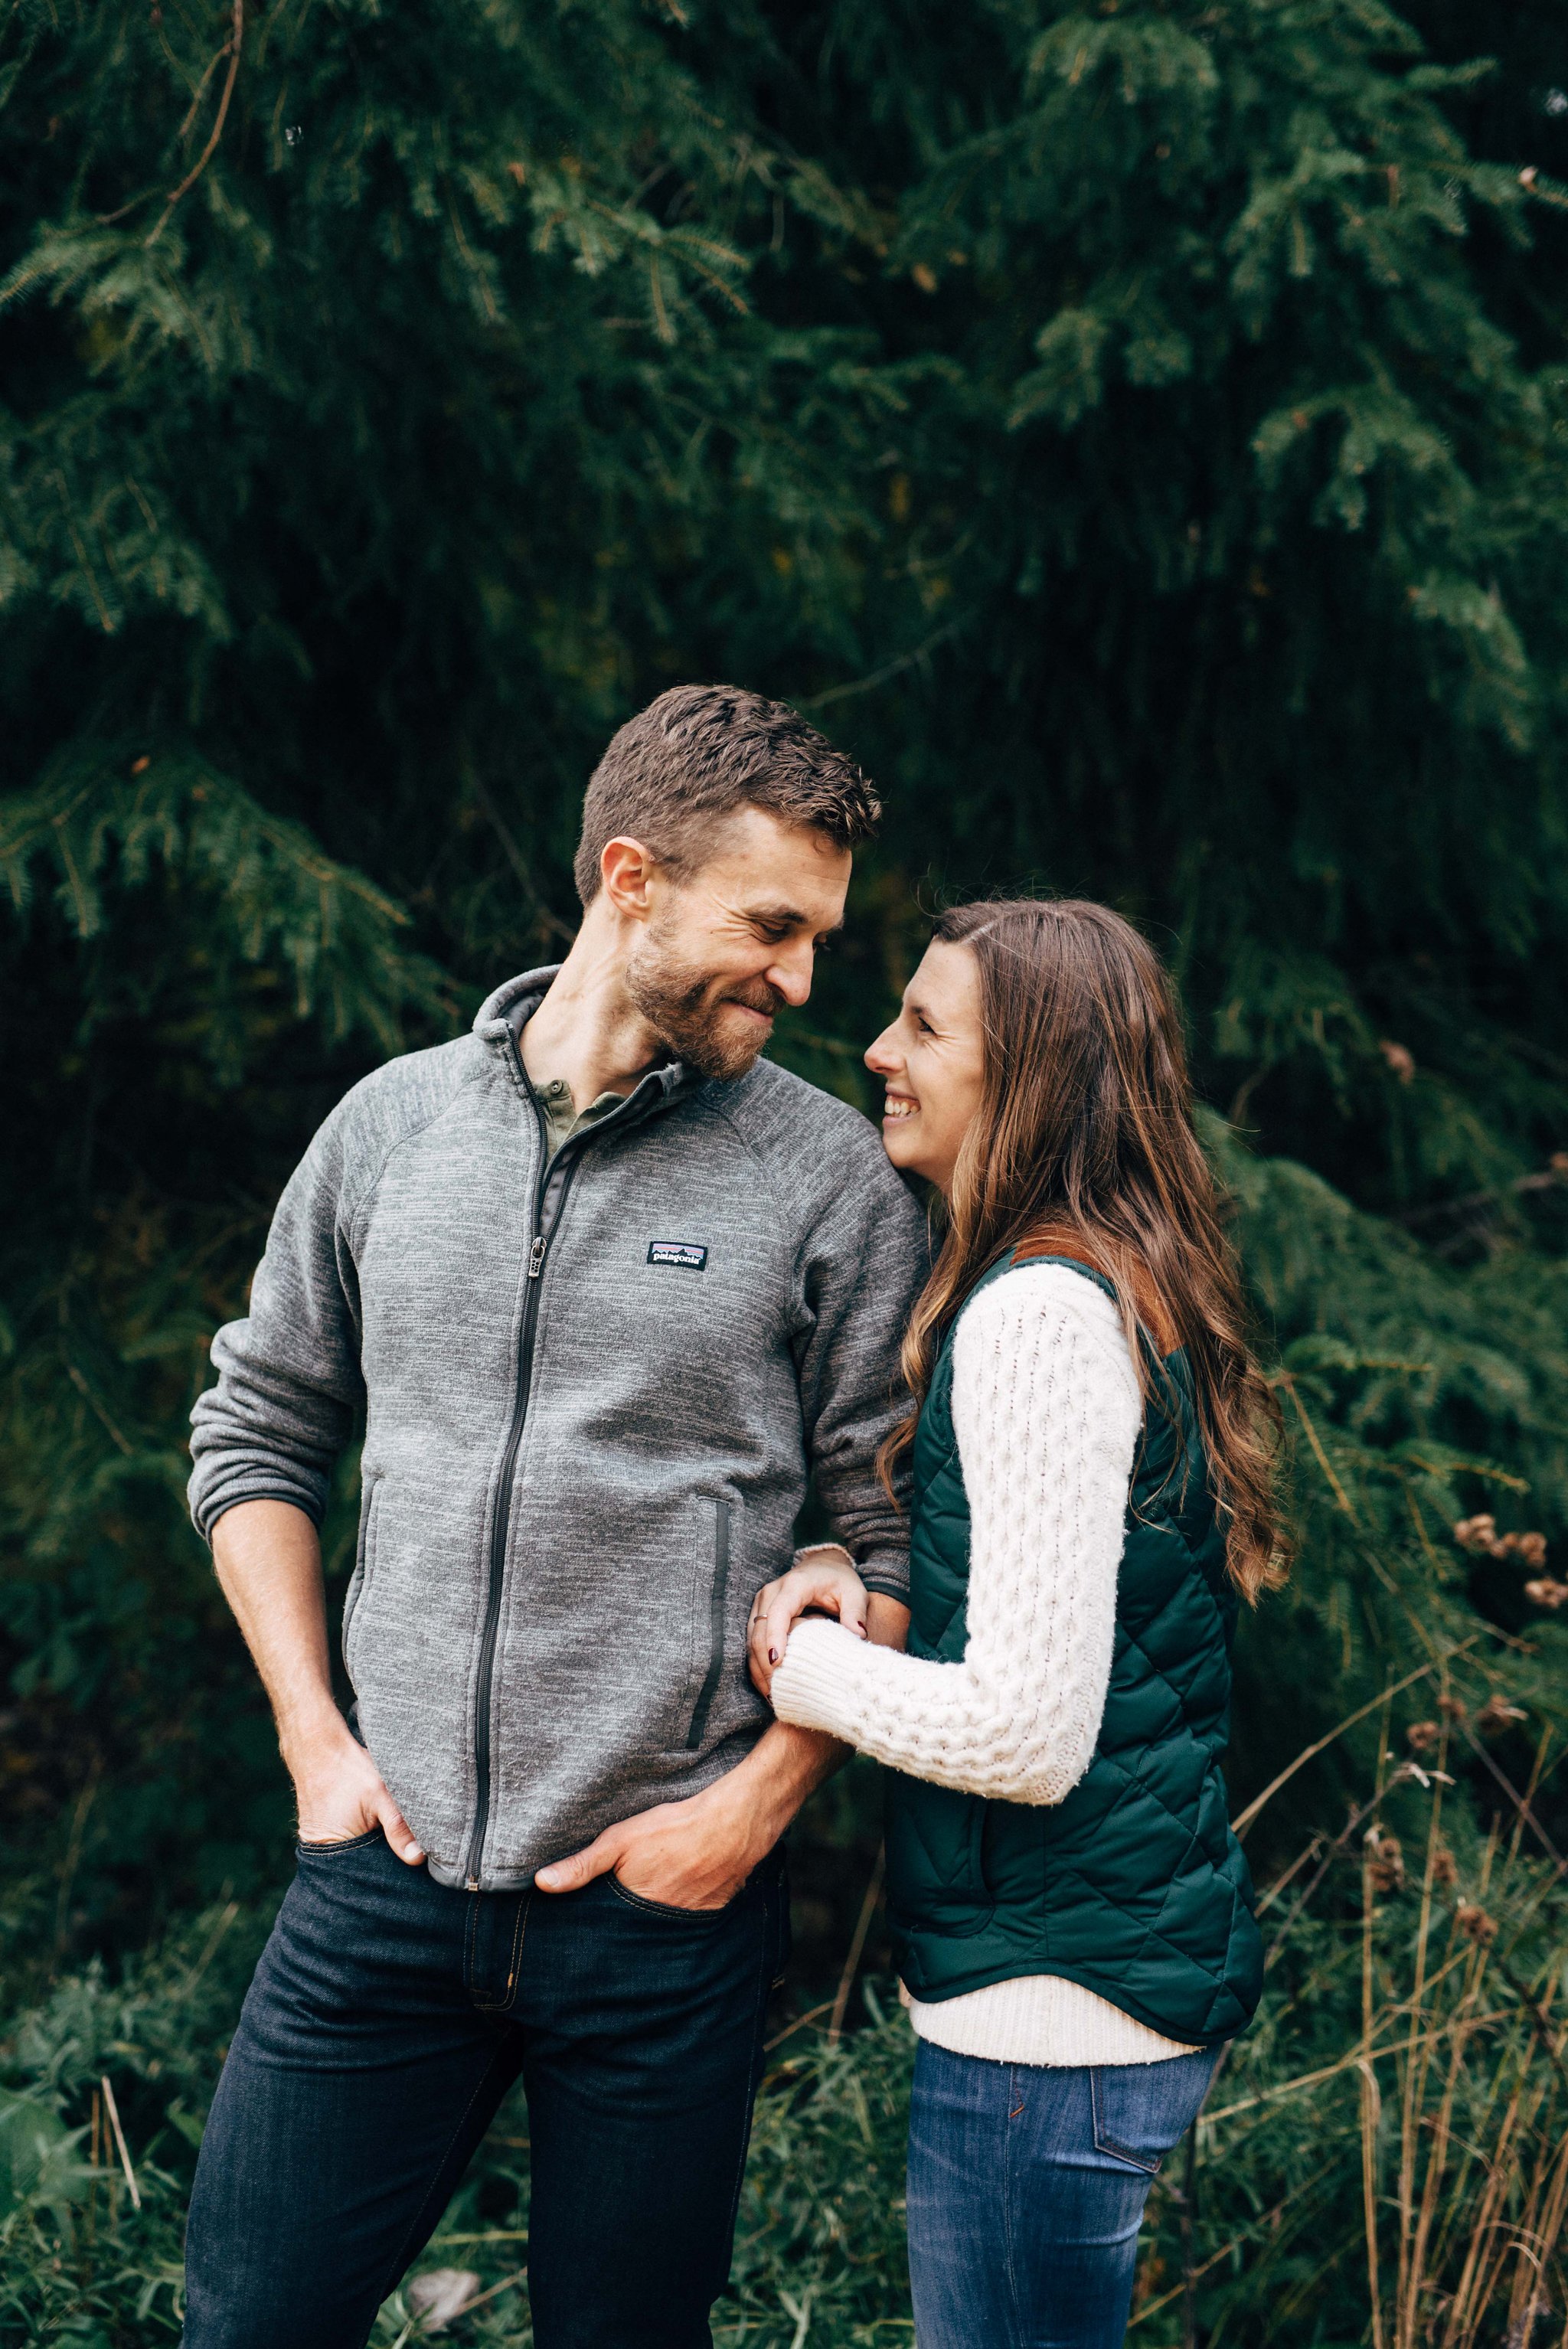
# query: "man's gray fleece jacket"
{"type": "Point", "coordinates": [593, 1391]}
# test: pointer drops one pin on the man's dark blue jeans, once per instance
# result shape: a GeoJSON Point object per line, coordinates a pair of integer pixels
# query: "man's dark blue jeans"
{"type": "Point", "coordinates": [388, 2019]}
{"type": "Point", "coordinates": [1027, 2187]}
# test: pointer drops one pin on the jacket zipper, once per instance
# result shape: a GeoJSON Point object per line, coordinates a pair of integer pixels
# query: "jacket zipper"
{"type": "Point", "coordinates": [715, 1625]}
{"type": "Point", "coordinates": [549, 1199]}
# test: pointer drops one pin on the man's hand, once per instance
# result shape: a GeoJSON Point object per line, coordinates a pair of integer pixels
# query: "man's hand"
{"type": "Point", "coordinates": [341, 1794]}
{"type": "Point", "coordinates": [696, 1853]}
{"type": "Point", "coordinates": [269, 1562]}
{"type": "Point", "coordinates": [687, 1855]}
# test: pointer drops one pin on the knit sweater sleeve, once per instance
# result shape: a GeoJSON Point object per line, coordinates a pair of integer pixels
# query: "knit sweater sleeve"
{"type": "Point", "coordinates": [1047, 1410]}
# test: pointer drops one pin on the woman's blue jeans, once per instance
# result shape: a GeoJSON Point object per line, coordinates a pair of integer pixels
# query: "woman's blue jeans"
{"type": "Point", "coordinates": [1027, 2187]}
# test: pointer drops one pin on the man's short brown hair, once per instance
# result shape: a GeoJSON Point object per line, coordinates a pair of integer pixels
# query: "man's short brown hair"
{"type": "Point", "coordinates": [699, 752]}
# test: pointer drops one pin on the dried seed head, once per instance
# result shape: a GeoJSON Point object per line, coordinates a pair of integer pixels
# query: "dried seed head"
{"type": "Point", "coordinates": [1385, 1862]}
{"type": "Point", "coordinates": [1480, 1537]}
{"type": "Point", "coordinates": [1546, 1593]}
{"type": "Point", "coordinates": [1475, 1924]}
{"type": "Point", "coordinates": [1496, 1715]}
{"type": "Point", "coordinates": [1423, 1736]}
{"type": "Point", "coordinates": [1450, 1708]}
{"type": "Point", "coordinates": [1445, 1868]}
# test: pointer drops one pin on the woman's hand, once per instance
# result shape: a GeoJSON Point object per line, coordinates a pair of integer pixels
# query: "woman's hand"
{"type": "Point", "coordinates": [824, 1579]}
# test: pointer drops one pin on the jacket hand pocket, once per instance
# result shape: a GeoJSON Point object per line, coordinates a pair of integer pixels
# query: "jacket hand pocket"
{"type": "Point", "coordinates": [714, 1565]}
{"type": "Point", "coordinates": [363, 1565]}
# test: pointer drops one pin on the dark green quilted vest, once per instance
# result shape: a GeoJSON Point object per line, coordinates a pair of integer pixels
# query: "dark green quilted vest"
{"type": "Point", "coordinates": [1134, 1886]}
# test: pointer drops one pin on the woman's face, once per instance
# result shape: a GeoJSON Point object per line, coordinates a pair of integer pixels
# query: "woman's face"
{"type": "Point", "coordinates": [932, 1061]}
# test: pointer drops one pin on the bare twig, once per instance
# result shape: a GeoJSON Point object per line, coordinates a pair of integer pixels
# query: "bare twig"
{"type": "Point", "coordinates": [1371, 2100]}
{"type": "Point", "coordinates": [1526, 1815]}
{"type": "Point", "coordinates": [1189, 2223]}
{"type": "Point", "coordinates": [225, 1920]}
{"type": "Point", "coordinates": [113, 2110]}
{"type": "Point", "coordinates": [889, 670]}
{"type": "Point", "coordinates": [1243, 1819]}
{"type": "Point", "coordinates": [1284, 1379]}
{"type": "Point", "coordinates": [1357, 2056]}
{"type": "Point", "coordinates": [799, 2024]}
{"type": "Point", "coordinates": [1334, 1852]}
{"type": "Point", "coordinates": [1304, 1859]}
{"type": "Point", "coordinates": [1550, 1178]}
{"type": "Point", "coordinates": [1152, 2307]}
{"type": "Point", "coordinates": [857, 1946]}
{"type": "Point", "coordinates": [549, 925]}
{"type": "Point", "coordinates": [93, 1405]}
{"type": "Point", "coordinates": [73, 1858]}
{"type": "Point", "coordinates": [231, 48]}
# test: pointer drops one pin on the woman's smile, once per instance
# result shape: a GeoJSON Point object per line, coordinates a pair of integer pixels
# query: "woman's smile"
{"type": "Point", "coordinates": [939, 1038]}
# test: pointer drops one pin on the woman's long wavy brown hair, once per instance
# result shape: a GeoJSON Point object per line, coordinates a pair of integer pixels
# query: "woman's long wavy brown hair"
{"type": "Point", "coordinates": [1084, 1144]}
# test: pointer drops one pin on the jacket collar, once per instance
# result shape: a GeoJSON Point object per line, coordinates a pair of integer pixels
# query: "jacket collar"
{"type": "Point", "coordinates": [504, 1013]}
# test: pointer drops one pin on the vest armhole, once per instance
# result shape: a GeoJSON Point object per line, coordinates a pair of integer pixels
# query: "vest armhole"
{"type": "Point", "coordinates": [1151, 1311]}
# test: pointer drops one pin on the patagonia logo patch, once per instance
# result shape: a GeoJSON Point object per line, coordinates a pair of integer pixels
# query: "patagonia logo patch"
{"type": "Point", "coordinates": [685, 1254]}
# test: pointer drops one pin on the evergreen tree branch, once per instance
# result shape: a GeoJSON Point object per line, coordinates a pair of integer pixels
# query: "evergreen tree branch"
{"type": "Point", "coordinates": [230, 49]}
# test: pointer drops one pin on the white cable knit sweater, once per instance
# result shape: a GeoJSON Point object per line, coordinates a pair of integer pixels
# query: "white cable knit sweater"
{"type": "Point", "coordinates": [1047, 1410]}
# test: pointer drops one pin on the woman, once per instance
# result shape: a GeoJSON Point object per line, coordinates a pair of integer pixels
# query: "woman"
{"type": "Point", "coordinates": [1091, 1492]}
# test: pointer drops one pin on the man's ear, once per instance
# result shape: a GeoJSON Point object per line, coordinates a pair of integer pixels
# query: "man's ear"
{"type": "Point", "coordinates": [627, 871]}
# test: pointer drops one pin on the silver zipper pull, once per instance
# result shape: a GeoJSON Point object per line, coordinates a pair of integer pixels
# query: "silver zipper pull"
{"type": "Point", "coordinates": [536, 1259]}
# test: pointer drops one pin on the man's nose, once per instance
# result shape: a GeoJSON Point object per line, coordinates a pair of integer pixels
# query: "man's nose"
{"type": "Point", "coordinates": [790, 974]}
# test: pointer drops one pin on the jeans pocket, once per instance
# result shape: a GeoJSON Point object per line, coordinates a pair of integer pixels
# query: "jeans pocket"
{"type": "Point", "coordinates": [338, 1844]}
{"type": "Point", "coordinates": [1141, 2110]}
{"type": "Point", "coordinates": [665, 1909]}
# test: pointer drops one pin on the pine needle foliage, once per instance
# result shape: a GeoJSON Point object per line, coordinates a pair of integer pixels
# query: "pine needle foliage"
{"type": "Point", "coordinates": [1137, 430]}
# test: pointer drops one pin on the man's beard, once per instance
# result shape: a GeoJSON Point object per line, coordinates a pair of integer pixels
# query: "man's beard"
{"type": "Point", "coordinates": [685, 1007]}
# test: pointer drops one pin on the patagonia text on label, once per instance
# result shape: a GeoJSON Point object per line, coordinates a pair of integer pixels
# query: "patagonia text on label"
{"type": "Point", "coordinates": [687, 1254]}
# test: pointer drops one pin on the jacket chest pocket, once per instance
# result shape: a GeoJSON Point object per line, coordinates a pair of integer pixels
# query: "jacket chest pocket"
{"type": "Point", "coordinates": [715, 1522]}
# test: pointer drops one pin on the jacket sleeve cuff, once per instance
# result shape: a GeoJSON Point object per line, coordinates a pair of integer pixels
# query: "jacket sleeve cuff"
{"type": "Point", "coordinates": [209, 1502]}
{"type": "Point", "coordinates": [816, 1686]}
{"type": "Point", "coordinates": [887, 1570]}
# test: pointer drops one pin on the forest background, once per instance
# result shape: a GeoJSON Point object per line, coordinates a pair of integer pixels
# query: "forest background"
{"type": "Point", "coordinates": [1139, 433]}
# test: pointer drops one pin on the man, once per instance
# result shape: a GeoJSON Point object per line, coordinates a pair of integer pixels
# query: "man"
{"type": "Point", "coordinates": [609, 1287]}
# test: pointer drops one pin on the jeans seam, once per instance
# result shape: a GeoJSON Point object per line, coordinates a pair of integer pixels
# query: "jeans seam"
{"type": "Point", "coordinates": [410, 2239]}
{"type": "Point", "coordinates": [764, 1968]}
{"type": "Point", "coordinates": [470, 1934]}
{"type": "Point", "coordinates": [1008, 2170]}
{"type": "Point", "coordinates": [503, 2006]}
